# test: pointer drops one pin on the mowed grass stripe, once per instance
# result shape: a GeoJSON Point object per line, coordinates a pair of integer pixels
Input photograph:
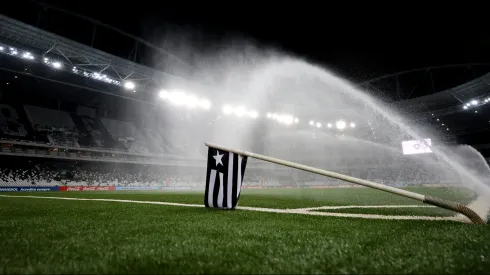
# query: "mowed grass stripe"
{"type": "Point", "coordinates": [55, 236]}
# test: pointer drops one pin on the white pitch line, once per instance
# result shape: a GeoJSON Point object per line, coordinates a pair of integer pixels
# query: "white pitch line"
{"type": "Point", "coordinates": [364, 206]}
{"type": "Point", "coordinates": [378, 217]}
{"type": "Point", "coordinates": [259, 209]}
{"type": "Point", "coordinates": [113, 200]}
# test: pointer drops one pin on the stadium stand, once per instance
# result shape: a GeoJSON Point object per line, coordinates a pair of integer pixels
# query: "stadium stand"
{"type": "Point", "coordinates": [26, 171]}
{"type": "Point", "coordinates": [110, 152]}
{"type": "Point", "coordinates": [57, 125]}
{"type": "Point", "coordinates": [86, 150]}
{"type": "Point", "coordinates": [38, 172]}
{"type": "Point", "coordinates": [92, 130]}
{"type": "Point", "coordinates": [127, 134]}
{"type": "Point", "coordinates": [10, 124]}
{"type": "Point", "coordinates": [157, 139]}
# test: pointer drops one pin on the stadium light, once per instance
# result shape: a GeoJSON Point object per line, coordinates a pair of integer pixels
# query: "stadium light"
{"type": "Point", "coordinates": [192, 101]}
{"type": "Point", "coordinates": [227, 110]}
{"type": "Point", "coordinates": [57, 65]}
{"type": "Point", "coordinates": [27, 55]}
{"type": "Point", "coordinates": [283, 118]}
{"type": "Point", "coordinates": [474, 102]}
{"type": "Point", "coordinates": [329, 125]}
{"type": "Point", "coordinates": [205, 104]}
{"type": "Point", "coordinates": [340, 125]}
{"type": "Point", "coordinates": [286, 119]}
{"type": "Point", "coordinates": [352, 125]}
{"type": "Point", "coordinates": [129, 85]}
{"type": "Point", "coordinates": [318, 125]}
{"type": "Point", "coordinates": [163, 94]}
{"type": "Point", "coordinates": [1, 49]}
{"type": "Point", "coordinates": [180, 98]}
{"type": "Point", "coordinates": [177, 98]}
{"type": "Point", "coordinates": [312, 122]}
{"type": "Point", "coordinates": [240, 111]}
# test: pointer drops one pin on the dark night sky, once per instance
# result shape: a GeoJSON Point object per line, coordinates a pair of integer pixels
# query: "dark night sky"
{"type": "Point", "coordinates": [359, 41]}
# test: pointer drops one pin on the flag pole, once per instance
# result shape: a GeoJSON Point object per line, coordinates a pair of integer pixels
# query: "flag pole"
{"type": "Point", "coordinates": [457, 207]}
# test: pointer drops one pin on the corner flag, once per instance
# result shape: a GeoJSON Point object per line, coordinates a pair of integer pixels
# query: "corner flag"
{"type": "Point", "coordinates": [224, 178]}
{"type": "Point", "coordinates": [226, 167]}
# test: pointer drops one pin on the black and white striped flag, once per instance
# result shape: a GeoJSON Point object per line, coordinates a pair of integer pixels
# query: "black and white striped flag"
{"type": "Point", "coordinates": [224, 178]}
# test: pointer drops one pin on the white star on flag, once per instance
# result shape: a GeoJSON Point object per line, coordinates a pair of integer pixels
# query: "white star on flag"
{"type": "Point", "coordinates": [218, 158]}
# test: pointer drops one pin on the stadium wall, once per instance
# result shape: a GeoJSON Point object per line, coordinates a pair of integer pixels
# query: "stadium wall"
{"type": "Point", "coordinates": [29, 189]}
{"type": "Point", "coordinates": [90, 188]}
{"type": "Point", "coordinates": [166, 188]}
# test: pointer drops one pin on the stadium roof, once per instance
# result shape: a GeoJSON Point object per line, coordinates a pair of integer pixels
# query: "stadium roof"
{"type": "Point", "coordinates": [448, 101]}
{"type": "Point", "coordinates": [459, 95]}
{"type": "Point", "coordinates": [16, 33]}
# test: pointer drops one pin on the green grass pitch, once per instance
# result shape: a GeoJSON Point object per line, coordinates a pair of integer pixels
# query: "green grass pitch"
{"type": "Point", "coordinates": [41, 236]}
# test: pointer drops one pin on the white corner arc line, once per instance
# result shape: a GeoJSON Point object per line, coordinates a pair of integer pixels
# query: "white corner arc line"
{"type": "Point", "coordinates": [365, 206]}
{"type": "Point", "coordinates": [259, 209]}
